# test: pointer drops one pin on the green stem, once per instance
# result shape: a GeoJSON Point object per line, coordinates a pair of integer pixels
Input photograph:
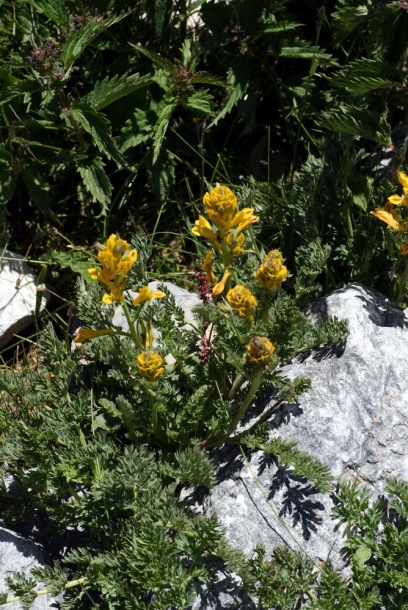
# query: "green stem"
{"type": "Point", "coordinates": [69, 585]}
{"type": "Point", "coordinates": [157, 430]}
{"type": "Point", "coordinates": [253, 388]}
{"type": "Point", "coordinates": [268, 300]}
{"type": "Point", "coordinates": [132, 330]}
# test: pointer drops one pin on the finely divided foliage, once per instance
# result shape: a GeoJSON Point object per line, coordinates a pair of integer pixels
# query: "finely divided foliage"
{"type": "Point", "coordinates": [260, 138]}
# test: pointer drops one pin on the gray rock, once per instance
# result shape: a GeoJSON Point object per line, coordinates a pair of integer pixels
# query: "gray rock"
{"type": "Point", "coordinates": [20, 555]}
{"type": "Point", "coordinates": [184, 299]}
{"type": "Point", "coordinates": [18, 294]}
{"type": "Point", "coordinates": [354, 419]}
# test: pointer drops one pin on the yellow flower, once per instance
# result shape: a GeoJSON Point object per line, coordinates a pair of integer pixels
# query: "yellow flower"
{"type": "Point", "coordinates": [202, 228]}
{"type": "Point", "coordinates": [235, 244]}
{"type": "Point", "coordinates": [145, 294]}
{"type": "Point", "coordinates": [83, 334]}
{"type": "Point", "coordinates": [220, 205]}
{"type": "Point", "coordinates": [396, 199]}
{"type": "Point", "coordinates": [117, 260]}
{"type": "Point", "coordinates": [208, 268]}
{"type": "Point", "coordinates": [260, 350]}
{"type": "Point", "coordinates": [242, 301]}
{"type": "Point", "coordinates": [243, 219]}
{"type": "Point", "coordinates": [272, 272]}
{"type": "Point", "coordinates": [391, 217]}
{"type": "Point", "coordinates": [219, 288]}
{"type": "Point", "coordinates": [150, 365]}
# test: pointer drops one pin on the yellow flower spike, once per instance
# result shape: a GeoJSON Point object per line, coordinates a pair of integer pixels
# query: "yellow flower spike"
{"type": "Point", "coordinates": [272, 272]}
{"type": "Point", "coordinates": [242, 301]}
{"type": "Point", "coordinates": [220, 287]}
{"type": "Point", "coordinates": [220, 204]}
{"type": "Point", "coordinates": [150, 365]}
{"type": "Point", "coordinates": [202, 228]}
{"type": "Point", "coordinates": [83, 334]}
{"type": "Point", "coordinates": [391, 217]}
{"type": "Point", "coordinates": [145, 294]}
{"type": "Point", "coordinates": [260, 350]}
{"type": "Point", "coordinates": [117, 260]}
{"type": "Point", "coordinates": [208, 268]}
{"type": "Point", "coordinates": [243, 219]}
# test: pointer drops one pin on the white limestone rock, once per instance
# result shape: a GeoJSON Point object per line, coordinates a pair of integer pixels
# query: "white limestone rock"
{"type": "Point", "coordinates": [354, 419]}
{"type": "Point", "coordinates": [20, 555]}
{"type": "Point", "coordinates": [18, 294]}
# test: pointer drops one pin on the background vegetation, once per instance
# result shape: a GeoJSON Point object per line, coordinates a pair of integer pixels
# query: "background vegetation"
{"type": "Point", "coordinates": [118, 116]}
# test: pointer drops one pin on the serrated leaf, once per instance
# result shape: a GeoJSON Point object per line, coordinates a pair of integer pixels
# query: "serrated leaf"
{"type": "Point", "coordinates": [364, 75]}
{"type": "Point", "coordinates": [77, 43]}
{"type": "Point", "coordinates": [138, 129]}
{"type": "Point", "coordinates": [98, 126]}
{"type": "Point", "coordinates": [19, 88]}
{"type": "Point", "coordinates": [348, 16]}
{"type": "Point", "coordinates": [165, 112]}
{"type": "Point", "coordinates": [110, 90]}
{"type": "Point", "coordinates": [304, 50]}
{"type": "Point", "coordinates": [200, 101]}
{"type": "Point", "coordinates": [237, 80]}
{"type": "Point", "coordinates": [359, 123]}
{"type": "Point", "coordinates": [53, 9]}
{"type": "Point", "coordinates": [96, 182]}
{"type": "Point", "coordinates": [157, 59]}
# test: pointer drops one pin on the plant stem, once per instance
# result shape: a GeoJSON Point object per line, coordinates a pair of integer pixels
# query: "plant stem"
{"type": "Point", "coordinates": [69, 585]}
{"type": "Point", "coordinates": [253, 388]}
{"type": "Point", "coordinates": [132, 330]}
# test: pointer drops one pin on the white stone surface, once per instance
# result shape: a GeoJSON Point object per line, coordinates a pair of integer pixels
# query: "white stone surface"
{"type": "Point", "coordinates": [18, 293]}
{"type": "Point", "coordinates": [20, 555]}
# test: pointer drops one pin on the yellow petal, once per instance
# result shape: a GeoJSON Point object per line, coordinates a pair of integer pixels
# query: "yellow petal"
{"type": "Point", "coordinates": [392, 219]}
{"type": "Point", "coordinates": [208, 268]}
{"type": "Point", "coordinates": [397, 200]}
{"type": "Point", "coordinates": [145, 294]}
{"type": "Point", "coordinates": [243, 219]}
{"type": "Point", "coordinates": [83, 334]}
{"type": "Point", "coordinates": [220, 287]}
{"type": "Point", "coordinates": [403, 179]}
{"type": "Point", "coordinates": [94, 273]}
{"type": "Point", "coordinates": [202, 228]}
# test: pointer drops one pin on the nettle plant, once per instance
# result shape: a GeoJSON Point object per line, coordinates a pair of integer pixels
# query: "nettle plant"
{"type": "Point", "coordinates": [113, 429]}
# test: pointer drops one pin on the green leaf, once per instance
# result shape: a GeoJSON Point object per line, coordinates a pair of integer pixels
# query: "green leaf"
{"type": "Point", "coordinates": [305, 50]}
{"type": "Point", "coordinates": [165, 112]}
{"type": "Point", "coordinates": [98, 126]}
{"type": "Point", "coordinates": [137, 129]}
{"type": "Point", "coordinates": [16, 88]}
{"type": "Point", "coordinates": [167, 65]}
{"type": "Point", "coordinates": [77, 43]}
{"type": "Point", "coordinates": [112, 89]}
{"type": "Point", "coordinates": [348, 16]}
{"type": "Point", "coordinates": [53, 9]}
{"type": "Point", "coordinates": [364, 75]}
{"type": "Point", "coordinates": [96, 182]}
{"type": "Point", "coordinates": [362, 555]}
{"type": "Point", "coordinates": [359, 123]}
{"type": "Point", "coordinates": [200, 101]}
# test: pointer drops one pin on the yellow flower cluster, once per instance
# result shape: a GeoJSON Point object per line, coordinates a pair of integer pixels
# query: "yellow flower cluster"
{"type": "Point", "coordinates": [390, 215]}
{"type": "Point", "coordinates": [117, 259]}
{"type": "Point", "coordinates": [150, 365]}
{"type": "Point", "coordinates": [260, 350]}
{"type": "Point", "coordinates": [242, 301]}
{"type": "Point", "coordinates": [272, 272]}
{"type": "Point", "coordinates": [227, 222]}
